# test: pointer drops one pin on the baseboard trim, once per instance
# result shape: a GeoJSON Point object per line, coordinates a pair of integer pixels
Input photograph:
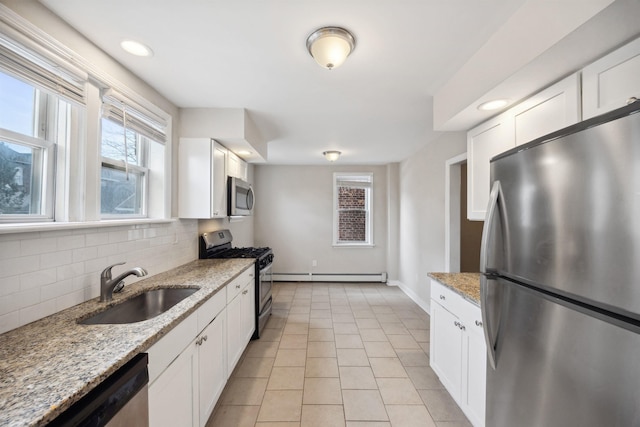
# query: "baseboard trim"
{"type": "Point", "coordinates": [411, 294]}
{"type": "Point", "coordinates": [329, 277]}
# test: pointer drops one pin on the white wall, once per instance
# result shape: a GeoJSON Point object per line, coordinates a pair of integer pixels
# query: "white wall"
{"type": "Point", "coordinates": [422, 189]}
{"type": "Point", "coordinates": [294, 216]}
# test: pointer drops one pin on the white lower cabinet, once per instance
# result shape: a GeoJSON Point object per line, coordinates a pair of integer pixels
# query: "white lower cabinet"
{"type": "Point", "coordinates": [240, 320]}
{"type": "Point", "coordinates": [173, 396]}
{"type": "Point", "coordinates": [458, 351]}
{"type": "Point", "coordinates": [188, 367]}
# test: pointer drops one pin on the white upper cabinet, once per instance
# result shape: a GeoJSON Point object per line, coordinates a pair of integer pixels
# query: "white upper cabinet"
{"type": "Point", "coordinates": [552, 109]}
{"type": "Point", "coordinates": [202, 178]}
{"type": "Point", "coordinates": [484, 142]}
{"type": "Point", "coordinates": [236, 167]}
{"type": "Point", "coordinates": [611, 81]}
{"type": "Point", "coordinates": [547, 111]}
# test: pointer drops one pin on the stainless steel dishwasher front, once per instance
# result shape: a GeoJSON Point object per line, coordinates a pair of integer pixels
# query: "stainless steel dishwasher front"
{"type": "Point", "coordinates": [119, 401]}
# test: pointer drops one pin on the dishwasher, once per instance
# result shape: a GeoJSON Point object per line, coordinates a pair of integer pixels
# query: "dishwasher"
{"type": "Point", "coordinates": [119, 401]}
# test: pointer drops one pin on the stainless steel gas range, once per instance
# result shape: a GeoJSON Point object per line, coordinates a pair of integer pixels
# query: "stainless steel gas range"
{"type": "Point", "coordinates": [217, 244]}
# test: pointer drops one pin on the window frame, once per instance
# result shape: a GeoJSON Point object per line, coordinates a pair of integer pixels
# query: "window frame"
{"type": "Point", "coordinates": [337, 178]}
{"type": "Point", "coordinates": [46, 133]}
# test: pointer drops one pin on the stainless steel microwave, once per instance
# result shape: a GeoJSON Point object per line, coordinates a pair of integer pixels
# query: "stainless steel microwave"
{"type": "Point", "coordinates": [239, 197]}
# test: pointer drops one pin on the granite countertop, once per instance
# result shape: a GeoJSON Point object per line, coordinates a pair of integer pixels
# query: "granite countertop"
{"type": "Point", "coordinates": [48, 365]}
{"type": "Point", "coordinates": [466, 284]}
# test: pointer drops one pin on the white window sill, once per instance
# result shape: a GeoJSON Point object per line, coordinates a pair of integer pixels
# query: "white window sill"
{"type": "Point", "coordinates": [354, 245]}
{"type": "Point", "coordinates": [54, 226]}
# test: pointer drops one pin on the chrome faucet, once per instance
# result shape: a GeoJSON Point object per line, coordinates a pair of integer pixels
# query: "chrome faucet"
{"type": "Point", "coordinates": [107, 284]}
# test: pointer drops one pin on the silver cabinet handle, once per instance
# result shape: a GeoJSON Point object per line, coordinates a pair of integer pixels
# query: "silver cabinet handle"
{"type": "Point", "coordinates": [478, 323]}
{"type": "Point", "coordinates": [457, 323]}
{"type": "Point", "coordinates": [245, 292]}
{"type": "Point", "coordinates": [442, 297]}
{"type": "Point", "coordinates": [462, 327]}
{"type": "Point", "coordinates": [237, 286]}
{"type": "Point", "coordinates": [201, 340]}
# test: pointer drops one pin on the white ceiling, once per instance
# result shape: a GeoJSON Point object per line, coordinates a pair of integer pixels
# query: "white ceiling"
{"type": "Point", "coordinates": [376, 108]}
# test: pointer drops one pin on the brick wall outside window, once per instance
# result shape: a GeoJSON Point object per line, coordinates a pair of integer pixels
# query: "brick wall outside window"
{"type": "Point", "coordinates": [352, 216]}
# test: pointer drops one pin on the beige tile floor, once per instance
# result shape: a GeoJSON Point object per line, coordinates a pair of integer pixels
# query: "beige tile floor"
{"type": "Point", "coordinates": [344, 355]}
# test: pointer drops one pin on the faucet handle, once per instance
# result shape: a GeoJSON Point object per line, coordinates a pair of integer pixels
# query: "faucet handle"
{"type": "Point", "coordinates": [106, 273]}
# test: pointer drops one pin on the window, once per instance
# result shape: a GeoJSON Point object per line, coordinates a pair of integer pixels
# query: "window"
{"type": "Point", "coordinates": [352, 208]}
{"type": "Point", "coordinates": [130, 137]}
{"type": "Point", "coordinates": [28, 140]}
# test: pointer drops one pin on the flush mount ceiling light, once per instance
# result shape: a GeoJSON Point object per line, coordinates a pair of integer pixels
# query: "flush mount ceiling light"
{"type": "Point", "coordinates": [330, 46]}
{"type": "Point", "coordinates": [493, 105]}
{"type": "Point", "coordinates": [136, 48]}
{"type": "Point", "coordinates": [331, 155]}
{"type": "Point", "coordinates": [244, 153]}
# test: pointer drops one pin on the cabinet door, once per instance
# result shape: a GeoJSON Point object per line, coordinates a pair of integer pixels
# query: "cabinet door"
{"type": "Point", "coordinates": [550, 110]}
{"type": "Point", "coordinates": [609, 82]}
{"type": "Point", "coordinates": [194, 173]}
{"type": "Point", "coordinates": [235, 335]}
{"type": "Point", "coordinates": [473, 396]}
{"type": "Point", "coordinates": [484, 142]}
{"type": "Point", "coordinates": [248, 312]}
{"type": "Point", "coordinates": [446, 348]}
{"type": "Point", "coordinates": [212, 366]}
{"type": "Point", "coordinates": [219, 182]}
{"type": "Point", "coordinates": [172, 397]}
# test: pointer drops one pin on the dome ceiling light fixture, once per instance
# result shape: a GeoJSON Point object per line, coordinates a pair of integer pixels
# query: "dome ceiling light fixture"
{"type": "Point", "coordinates": [330, 46]}
{"type": "Point", "coordinates": [331, 155]}
{"type": "Point", "coordinates": [136, 48]}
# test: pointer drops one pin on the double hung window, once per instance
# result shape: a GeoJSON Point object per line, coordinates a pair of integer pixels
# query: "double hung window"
{"type": "Point", "coordinates": [352, 209]}
{"type": "Point", "coordinates": [132, 149]}
{"type": "Point", "coordinates": [36, 101]}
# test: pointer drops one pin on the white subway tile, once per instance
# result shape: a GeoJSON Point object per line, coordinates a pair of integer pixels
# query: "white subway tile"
{"type": "Point", "coordinates": [56, 290]}
{"type": "Point", "coordinates": [56, 259]}
{"type": "Point", "coordinates": [10, 249]}
{"type": "Point", "coordinates": [38, 278]}
{"type": "Point", "coordinates": [37, 311]}
{"type": "Point", "coordinates": [28, 297]}
{"type": "Point", "coordinates": [70, 299]}
{"type": "Point", "coordinates": [85, 254]}
{"type": "Point", "coordinates": [9, 321]}
{"type": "Point", "coordinates": [118, 236]}
{"type": "Point", "coordinates": [9, 285]}
{"type": "Point", "coordinates": [95, 266]}
{"type": "Point", "coordinates": [9, 303]}
{"type": "Point", "coordinates": [70, 242]}
{"type": "Point", "coordinates": [70, 271]}
{"type": "Point", "coordinates": [21, 265]}
{"type": "Point", "coordinates": [97, 238]}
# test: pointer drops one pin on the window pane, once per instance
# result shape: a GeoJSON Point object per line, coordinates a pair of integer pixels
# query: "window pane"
{"type": "Point", "coordinates": [20, 179]}
{"type": "Point", "coordinates": [351, 198]}
{"type": "Point", "coordinates": [17, 105]}
{"type": "Point", "coordinates": [352, 226]}
{"type": "Point", "coordinates": [120, 196]}
{"type": "Point", "coordinates": [113, 143]}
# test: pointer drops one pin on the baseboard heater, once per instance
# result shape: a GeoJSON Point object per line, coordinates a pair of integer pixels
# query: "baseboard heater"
{"type": "Point", "coordinates": [329, 277]}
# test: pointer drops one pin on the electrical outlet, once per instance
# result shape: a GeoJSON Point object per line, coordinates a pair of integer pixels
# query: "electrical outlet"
{"type": "Point", "coordinates": [314, 263]}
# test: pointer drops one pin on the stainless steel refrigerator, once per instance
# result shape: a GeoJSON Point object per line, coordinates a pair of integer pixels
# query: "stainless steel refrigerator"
{"type": "Point", "coordinates": [560, 287]}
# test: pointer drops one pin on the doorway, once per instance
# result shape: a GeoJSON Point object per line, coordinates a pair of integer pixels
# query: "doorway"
{"type": "Point", "coordinates": [462, 237]}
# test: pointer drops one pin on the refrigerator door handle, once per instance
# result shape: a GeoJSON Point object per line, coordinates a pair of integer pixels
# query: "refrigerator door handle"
{"type": "Point", "coordinates": [485, 269]}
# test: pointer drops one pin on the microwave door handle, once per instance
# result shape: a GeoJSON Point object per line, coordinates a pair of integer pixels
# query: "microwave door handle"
{"type": "Point", "coordinates": [251, 199]}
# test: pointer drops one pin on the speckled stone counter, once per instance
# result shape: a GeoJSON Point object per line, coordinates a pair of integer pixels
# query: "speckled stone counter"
{"type": "Point", "coordinates": [466, 284]}
{"type": "Point", "coordinates": [48, 365]}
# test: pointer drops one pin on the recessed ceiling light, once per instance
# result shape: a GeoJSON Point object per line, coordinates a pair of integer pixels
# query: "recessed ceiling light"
{"type": "Point", "coordinates": [493, 105]}
{"type": "Point", "coordinates": [244, 153]}
{"type": "Point", "coordinates": [136, 48]}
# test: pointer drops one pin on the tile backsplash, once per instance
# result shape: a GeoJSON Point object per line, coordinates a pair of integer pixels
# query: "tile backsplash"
{"type": "Point", "coordinates": [47, 271]}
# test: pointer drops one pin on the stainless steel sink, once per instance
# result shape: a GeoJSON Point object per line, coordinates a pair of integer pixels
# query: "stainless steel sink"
{"type": "Point", "coordinates": [145, 306]}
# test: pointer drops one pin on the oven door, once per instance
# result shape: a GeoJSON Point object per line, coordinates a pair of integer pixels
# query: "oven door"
{"type": "Point", "coordinates": [265, 285]}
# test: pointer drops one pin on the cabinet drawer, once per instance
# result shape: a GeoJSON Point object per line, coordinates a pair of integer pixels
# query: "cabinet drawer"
{"type": "Point", "coordinates": [237, 284]}
{"type": "Point", "coordinates": [210, 309]}
{"type": "Point", "coordinates": [447, 298]}
{"type": "Point", "coordinates": [471, 318]}
{"type": "Point", "coordinates": [165, 351]}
